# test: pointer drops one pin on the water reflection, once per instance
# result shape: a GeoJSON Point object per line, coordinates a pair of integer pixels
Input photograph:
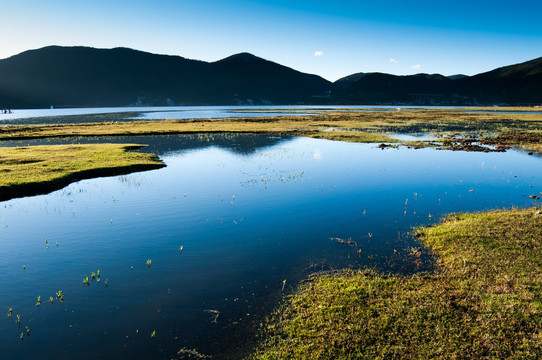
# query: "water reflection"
{"type": "Point", "coordinates": [249, 214]}
{"type": "Point", "coordinates": [86, 115]}
{"type": "Point", "coordinates": [162, 144]}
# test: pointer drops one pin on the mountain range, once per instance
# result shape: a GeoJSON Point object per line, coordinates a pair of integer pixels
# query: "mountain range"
{"type": "Point", "coordinates": [88, 77]}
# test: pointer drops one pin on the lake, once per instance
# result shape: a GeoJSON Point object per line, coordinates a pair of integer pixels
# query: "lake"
{"type": "Point", "coordinates": [254, 216]}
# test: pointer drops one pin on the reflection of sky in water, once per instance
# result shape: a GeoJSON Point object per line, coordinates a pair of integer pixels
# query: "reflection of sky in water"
{"type": "Point", "coordinates": [185, 112]}
{"type": "Point", "coordinates": [247, 220]}
{"type": "Point", "coordinates": [208, 114]}
{"type": "Point", "coordinates": [44, 116]}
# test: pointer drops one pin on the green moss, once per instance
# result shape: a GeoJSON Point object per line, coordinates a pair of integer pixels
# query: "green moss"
{"type": "Point", "coordinates": [484, 302]}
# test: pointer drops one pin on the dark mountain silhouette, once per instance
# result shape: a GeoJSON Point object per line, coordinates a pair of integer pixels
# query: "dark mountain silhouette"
{"type": "Point", "coordinates": [514, 84]}
{"type": "Point", "coordinates": [376, 88]}
{"type": "Point", "coordinates": [520, 83]}
{"type": "Point", "coordinates": [245, 76]}
{"type": "Point", "coordinates": [82, 76]}
{"type": "Point", "coordinates": [457, 77]}
{"type": "Point", "coordinates": [345, 82]}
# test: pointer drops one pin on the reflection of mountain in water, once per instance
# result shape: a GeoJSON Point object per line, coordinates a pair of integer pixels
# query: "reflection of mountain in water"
{"type": "Point", "coordinates": [162, 144]}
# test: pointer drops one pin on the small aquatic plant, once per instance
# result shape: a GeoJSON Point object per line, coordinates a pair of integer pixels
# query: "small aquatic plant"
{"type": "Point", "coordinates": [214, 315]}
{"type": "Point", "coordinates": [348, 242]}
{"type": "Point", "coordinates": [192, 354]}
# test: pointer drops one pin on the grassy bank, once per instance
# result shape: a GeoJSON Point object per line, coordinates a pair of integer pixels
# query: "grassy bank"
{"type": "Point", "coordinates": [456, 130]}
{"type": "Point", "coordinates": [485, 301]}
{"type": "Point", "coordinates": [404, 121]}
{"type": "Point", "coordinates": [464, 131]}
{"type": "Point", "coordinates": [297, 126]}
{"type": "Point", "coordinates": [40, 169]}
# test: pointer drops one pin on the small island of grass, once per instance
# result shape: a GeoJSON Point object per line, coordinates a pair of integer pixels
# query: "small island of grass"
{"type": "Point", "coordinates": [40, 169]}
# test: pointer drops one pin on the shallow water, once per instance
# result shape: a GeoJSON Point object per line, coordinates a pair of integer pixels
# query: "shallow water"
{"type": "Point", "coordinates": [85, 115]}
{"type": "Point", "coordinates": [172, 112]}
{"type": "Point", "coordinates": [249, 211]}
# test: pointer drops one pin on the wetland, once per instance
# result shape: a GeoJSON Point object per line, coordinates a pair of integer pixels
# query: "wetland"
{"type": "Point", "coordinates": [190, 258]}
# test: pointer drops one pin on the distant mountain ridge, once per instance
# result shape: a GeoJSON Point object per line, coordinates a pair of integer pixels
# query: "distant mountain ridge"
{"type": "Point", "coordinates": [509, 85]}
{"type": "Point", "coordinates": [83, 76]}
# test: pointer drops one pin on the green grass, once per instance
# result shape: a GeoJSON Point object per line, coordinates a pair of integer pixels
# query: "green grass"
{"type": "Point", "coordinates": [436, 120]}
{"type": "Point", "coordinates": [493, 128]}
{"type": "Point", "coordinates": [39, 169]}
{"type": "Point", "coordinates": [352, 136]}
{"type": "Point", "coordinates": [484, 302]}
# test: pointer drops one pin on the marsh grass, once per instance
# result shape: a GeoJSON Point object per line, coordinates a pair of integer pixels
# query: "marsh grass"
{"type": "Point", "coordinates": [405, 121]}
{"type": "Point", "coordinates": [39, 169]}
{"type": "Point", "coordinates": [485, 301]}
{"type": "Point", "coordinates": [352, 136]}
{"type": "Point", "coordinates": [491, 128]}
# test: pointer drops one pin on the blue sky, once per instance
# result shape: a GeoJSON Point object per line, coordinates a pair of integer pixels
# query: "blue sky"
{"type": "Point", "coordinates": [331, 38]}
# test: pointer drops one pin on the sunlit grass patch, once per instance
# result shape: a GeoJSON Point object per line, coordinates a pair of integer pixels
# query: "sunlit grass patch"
{"type": "Point", "coordinates": [36, 169]}
{"type": "Point", "coordinates": [485, 301]}
{"type": "Point", "coordinates": [436, 120]}
{"type": "Point", "coordinates": [352, 136]}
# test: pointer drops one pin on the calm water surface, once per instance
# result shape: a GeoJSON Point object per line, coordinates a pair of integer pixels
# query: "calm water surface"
{"type": "Point", "coordinates": [173, 112]}
{"type": "Point", "coordinates": [249, 212]}
{"type": "Point", "coordinates": [82, 115]}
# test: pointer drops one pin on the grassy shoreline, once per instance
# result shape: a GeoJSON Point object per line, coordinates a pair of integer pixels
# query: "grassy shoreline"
{"type": "Point", "coordinates": [484, 302]}
{"type": "Point", "coordinates": [453, 129]}
{"type": "Point", "coordinates": [495, 131]}
{"type": "Point", "coordinates": [404, 121]}
{"type": "Point", "coordinates": [40, 169]}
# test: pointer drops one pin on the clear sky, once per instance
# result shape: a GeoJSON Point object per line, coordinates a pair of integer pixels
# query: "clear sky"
{"type": "Point", "coordinates": [332, 38]}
